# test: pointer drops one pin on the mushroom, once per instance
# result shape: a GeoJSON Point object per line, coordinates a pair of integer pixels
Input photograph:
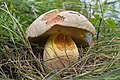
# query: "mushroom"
{"type": "Point", "coordinates": [61, 31]}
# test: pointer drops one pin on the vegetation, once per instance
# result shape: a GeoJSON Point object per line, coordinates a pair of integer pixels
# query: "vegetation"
{"type": "Point", "coordinates": [21, 60]}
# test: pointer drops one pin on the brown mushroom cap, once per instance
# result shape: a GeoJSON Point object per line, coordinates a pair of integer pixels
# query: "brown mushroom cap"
{"type": "Point", "coordinates": [58, 20]}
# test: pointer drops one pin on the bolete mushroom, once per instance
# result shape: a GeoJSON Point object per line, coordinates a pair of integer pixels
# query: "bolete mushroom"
{"type": "Point", "coordinates": [62, 30]}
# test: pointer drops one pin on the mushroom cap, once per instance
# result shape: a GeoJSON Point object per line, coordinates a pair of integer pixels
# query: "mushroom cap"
{"type": "Point", "coordinates": [63, 21]}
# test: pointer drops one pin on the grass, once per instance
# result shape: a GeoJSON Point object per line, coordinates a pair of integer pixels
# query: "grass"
{"type": "Point", "coordinates": [21, 60]}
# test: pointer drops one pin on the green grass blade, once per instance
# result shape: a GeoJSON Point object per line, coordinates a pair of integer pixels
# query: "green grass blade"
{"type": "Point", "coordinates": [114, 75]}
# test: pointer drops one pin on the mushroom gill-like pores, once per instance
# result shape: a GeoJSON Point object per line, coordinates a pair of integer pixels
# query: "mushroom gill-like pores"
{"type": "Point", "coordinates": [62, 31]}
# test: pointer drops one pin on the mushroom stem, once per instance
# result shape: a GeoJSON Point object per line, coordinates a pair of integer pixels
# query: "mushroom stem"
{"type": "Point", "coordinates": [60, 51]}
